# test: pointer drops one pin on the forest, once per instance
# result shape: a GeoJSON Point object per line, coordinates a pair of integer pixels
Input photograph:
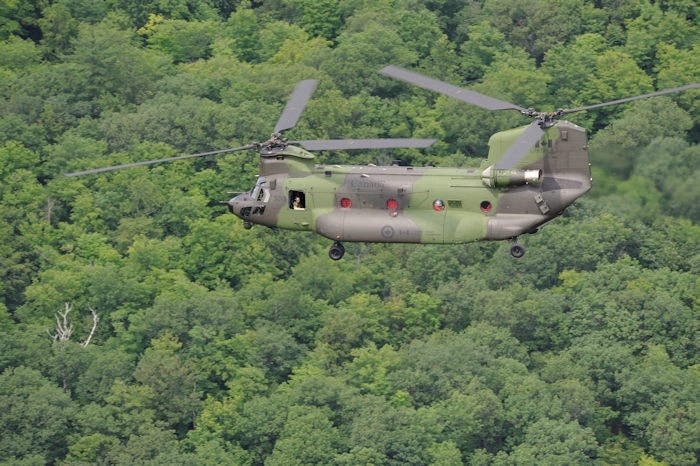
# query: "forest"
{"type": "Point", "coordinates": [141, 324]}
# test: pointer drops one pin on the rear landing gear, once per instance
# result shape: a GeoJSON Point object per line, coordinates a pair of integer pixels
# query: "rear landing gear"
{"type": "Point", "coordinates": [517, 250]}
{"type": "Point", "coordinates": [336, 251]}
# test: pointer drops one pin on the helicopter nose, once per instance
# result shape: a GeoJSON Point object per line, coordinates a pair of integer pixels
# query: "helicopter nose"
{"type": "Point", "coordinates": [237, 203]}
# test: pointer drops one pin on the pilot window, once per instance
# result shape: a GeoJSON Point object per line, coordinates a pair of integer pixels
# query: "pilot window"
{"type": "Point", "coordinates": [261, 194]}
{"type": "Point", "coordinates": [297, 200]}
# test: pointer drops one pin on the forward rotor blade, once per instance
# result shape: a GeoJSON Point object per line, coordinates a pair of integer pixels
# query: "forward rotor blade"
{"type": "Point", "coordinates": [149, 162]}
{"type": "Point", "coordinates": [295, 105]}
{"type": "Point", "coordinates": [340, 144]}
{"type": "Point", "coordinates": [629, 99]}
{"type": "Point", "coordinates": [520, 147]}
{"type": "Point", "coordinates": [474, 98]}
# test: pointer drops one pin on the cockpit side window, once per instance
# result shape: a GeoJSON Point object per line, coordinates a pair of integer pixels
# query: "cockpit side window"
{"type": "Point", "coordinates": [261, 194]}
{"type": "Point", "coordinates": [261, 191]}
{"type": "Point", "coordinates": [297, 200]}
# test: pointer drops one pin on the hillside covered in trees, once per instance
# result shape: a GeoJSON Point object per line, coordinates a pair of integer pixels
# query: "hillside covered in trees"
{"type": "Point", "coordinates": [219, 345]}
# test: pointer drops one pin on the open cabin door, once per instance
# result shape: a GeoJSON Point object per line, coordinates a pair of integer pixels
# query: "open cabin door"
{"type": "Point", "coordinates": [299, 205]}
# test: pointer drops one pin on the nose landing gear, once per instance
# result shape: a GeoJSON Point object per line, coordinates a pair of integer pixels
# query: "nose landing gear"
{"type": "Point", "coordinates": [336, 251]}
{"type": "Point", "coordinates": [517, 250]}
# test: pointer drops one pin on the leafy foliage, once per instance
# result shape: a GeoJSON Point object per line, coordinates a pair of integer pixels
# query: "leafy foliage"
{"type": "Point", "coordinates": [220, 345]}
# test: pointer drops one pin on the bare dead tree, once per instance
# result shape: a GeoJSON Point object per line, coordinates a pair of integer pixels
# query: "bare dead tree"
{"type": "Point", "coordinates": [63, 330]}
{"type": "Point", "coordinates": [51, 204]}
{"type": "Point", "coordinates": [64, 327]}
{"type": "Point", "coordinates": [95, 320]}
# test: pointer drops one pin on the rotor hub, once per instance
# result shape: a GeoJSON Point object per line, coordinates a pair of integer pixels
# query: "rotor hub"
{"type": "Point", "coordinates": [544, 119]}
{"type": "Point", "coordinates": [276, 142]}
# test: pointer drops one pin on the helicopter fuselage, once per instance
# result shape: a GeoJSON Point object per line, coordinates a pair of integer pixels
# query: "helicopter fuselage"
{"type": "Point", "coordinates": [399, 204]}
{"type": "Point", "coordinates": [531, 175]}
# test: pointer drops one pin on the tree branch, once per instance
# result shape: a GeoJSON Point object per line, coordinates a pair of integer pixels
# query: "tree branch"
{"type": "Point", "coordinates": [63, 330]}
{"type": "Point", "coordinates": [95, 320]}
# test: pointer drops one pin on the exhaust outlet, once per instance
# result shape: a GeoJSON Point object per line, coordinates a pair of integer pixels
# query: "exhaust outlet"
{"type": "Point", "coordinates": [511, 178]}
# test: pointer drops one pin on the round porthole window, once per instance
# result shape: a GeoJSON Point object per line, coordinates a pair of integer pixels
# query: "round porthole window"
{"type": "Point", "coordinates": [438, 205]}
{"type": "Point", "coordinates": [345, 203]}
{"type": "Point", "coordinates": [485, 206]}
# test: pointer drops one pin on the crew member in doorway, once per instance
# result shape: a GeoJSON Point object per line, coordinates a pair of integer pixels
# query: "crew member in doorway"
{"type": "Point", "coordinates": [297, 205]}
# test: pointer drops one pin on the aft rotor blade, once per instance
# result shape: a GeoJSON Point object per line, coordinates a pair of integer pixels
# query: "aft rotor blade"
{"type": "Point", "coordinates": [340, 144]}
{"type": "Point", "coordinates": [520, 147]}
{"type": "Point", "coordinates": [630, 99]}
{"type": "Point", "coordinates": [474, 98]}
{"type": "Point", "coordinates": [149, 162]}
{"type": "Point", "coordinates": [295, 105]}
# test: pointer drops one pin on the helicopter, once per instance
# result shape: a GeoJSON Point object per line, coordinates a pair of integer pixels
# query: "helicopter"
{"type": "Point", "coordinates": [530, 176]}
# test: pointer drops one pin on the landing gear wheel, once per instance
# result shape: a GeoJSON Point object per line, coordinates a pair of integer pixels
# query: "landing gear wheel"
{"type": "Point", "coordinates": [336, 251]}
{"type": "Point", "coordinates": [517, 250]}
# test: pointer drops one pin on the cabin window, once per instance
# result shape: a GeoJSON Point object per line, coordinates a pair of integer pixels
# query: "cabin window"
{"type": "Point", "coordinates": [297, 200]}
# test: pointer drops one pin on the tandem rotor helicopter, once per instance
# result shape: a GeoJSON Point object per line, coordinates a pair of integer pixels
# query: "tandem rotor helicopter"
{"type": "Point", "coordinates": [531, 175]}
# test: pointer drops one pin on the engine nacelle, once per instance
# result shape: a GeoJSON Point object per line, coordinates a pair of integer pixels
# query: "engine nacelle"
{"type": "Point", "coordinates": [510, 178]}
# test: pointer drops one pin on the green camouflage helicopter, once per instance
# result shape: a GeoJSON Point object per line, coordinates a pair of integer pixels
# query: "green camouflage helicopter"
{"type": "Point", "coordinates": [531, 175]}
